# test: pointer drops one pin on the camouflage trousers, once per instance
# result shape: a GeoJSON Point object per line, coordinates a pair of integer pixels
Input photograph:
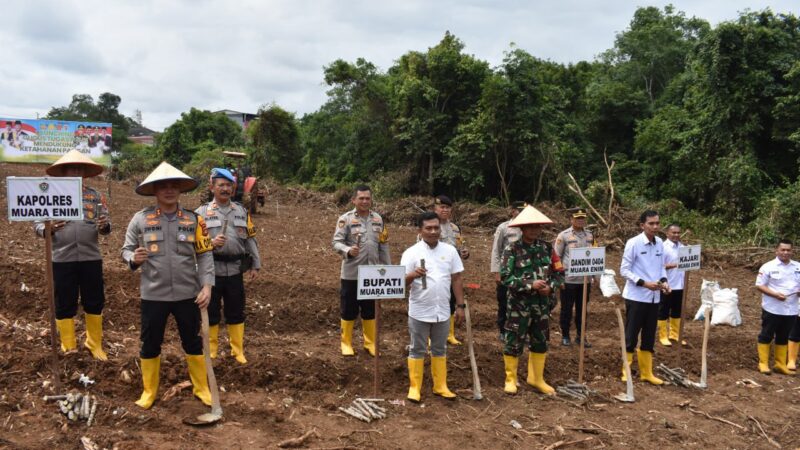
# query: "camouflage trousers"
{"type": "Point", "coordinates": [526, 317]}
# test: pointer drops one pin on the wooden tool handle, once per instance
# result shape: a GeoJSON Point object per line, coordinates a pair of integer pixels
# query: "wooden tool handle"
{"type": "Point", "coordinates": [425, 277]}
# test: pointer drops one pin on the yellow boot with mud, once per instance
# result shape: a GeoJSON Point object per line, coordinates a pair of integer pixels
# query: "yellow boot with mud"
{"type": "Point", "coordinates": [781, 352]}
{"type": "Point", "coordinates": [663, 336]}
{"type": "Point", "coordinates": [150, 376]}
{"type": "Point", "coordinates": [415, 370]}
{"type": "Point", "coordinates": [793, 348]}
{"type": "Point", "coordinates": [629, 356]}
{"type": "Point", "coordinates": [66, 332]}
{"type": "Point", "coordinates": [451, 337]}
{"type": "Point", "coordinates": [347, 337]}
{"type": "Point", "coordinates": [369, 335]}
{"type": "Point", "coordinates": [511, 363]}
{"type": "Point", "coordinates": [94, 336]}
{"type": "Point", "coordinates": [199, 377]}
{"type": "Point", "coordinates": [763, 359]}
{"type": "Point", "coordinates": [213, 340]}
{"type": "Point", "coordinates": [439, 375]}
{"type": "Point", "coordinates": [675, 329]}
{"type": "Point", "coordinates": [236, 336]}
{"type": "Point", "coordinates": [536, 362]}
{"type": "Point", "coordinates": [646, 368]}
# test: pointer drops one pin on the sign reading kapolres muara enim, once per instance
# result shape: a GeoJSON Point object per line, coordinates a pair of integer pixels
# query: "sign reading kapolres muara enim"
{"type": "Point", "coordinates": [44, 198]}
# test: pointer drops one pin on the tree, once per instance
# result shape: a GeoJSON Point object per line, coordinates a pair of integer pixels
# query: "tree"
{"type": "Point", "coordinates": [195, 130]}
{"type": "Point", "coordinates": [275, 139]}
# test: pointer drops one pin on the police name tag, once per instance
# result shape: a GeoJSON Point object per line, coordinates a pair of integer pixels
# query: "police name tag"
{"type": "Point", "coordinates": [44, 198]}
{"type": "Point", "coordinates": [689, 258]}
{"type": "Point", "coordinates": [379, 282]}
{"type": "Point", "coordinates": [586, 261]}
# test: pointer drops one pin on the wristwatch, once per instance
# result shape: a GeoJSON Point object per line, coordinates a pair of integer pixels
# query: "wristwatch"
{"type": "Point", "coordinates": [463, 305]}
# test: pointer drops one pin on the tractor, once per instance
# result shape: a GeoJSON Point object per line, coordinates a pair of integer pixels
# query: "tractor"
{"type": "Point", "coordinates": [248, 192]}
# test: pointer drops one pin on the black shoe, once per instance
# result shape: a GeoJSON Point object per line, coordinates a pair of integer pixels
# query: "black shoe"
{"type": "Point", "coordinates": [586, 343]}
{"type": "Point", "coordinates": [565, 341]}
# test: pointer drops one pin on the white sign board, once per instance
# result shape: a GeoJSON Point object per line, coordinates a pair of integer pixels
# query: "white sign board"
{"type": "Point", "coordinates": [586, 261]}
{"type": "Point", "coordinates": [44, 198]}
{"type": "Point", "coordinates": [689, 258]}
{"type": "Point", "coordinates": [377, 282]}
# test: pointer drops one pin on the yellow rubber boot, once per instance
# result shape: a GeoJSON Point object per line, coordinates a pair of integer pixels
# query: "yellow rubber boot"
{"type": "Point", "coordinates": [451, 337]}
{"type": "Point", "coordinates": [439, 375]}
{"type": "Point", "coordinates": [369, 335]}
{"type": "Point", "coordinates": [236, 336]}
{"type": "Point", "coordinates": [511, 363]}
{"type": "Point", "coordinates": [415, 370]}
{"type": "Point", "coordinates": [213, 340]}
{"type": "Point", "coordinates": [646, 368]}
{"type": "Point", "coordinates": [199, 377]}
{"type": "Point", "coordinates": [347, 337]}
{"type": "Point", "coordinates": [150, 369]}
{"type": "Point", "coordinates": [675, 330]}
{"type": "Point", "coordinates": [66, 332]}
{"type": "Point", "coordinates": [94, 336]}
{"type": "Point", "coordinates": [763, 359]}
{"type": "Point", "coordinates": [781, 352]}
{"type": "Point", "coordinates": [628, 355]}
{"type": "Point", "coordinates": [536, 362]}
{"type": "Point", "coordinates": [662, 334]}
{"type": "Point", "coordinates": [793, 348]}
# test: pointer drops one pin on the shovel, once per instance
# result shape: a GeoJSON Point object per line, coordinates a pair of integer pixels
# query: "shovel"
{"type": "Point", "coordinates": [216, 409]}
{"type": "Point", "coordinates": [627, 397]}
{"type": "Point", "coordinates": [476, 380]}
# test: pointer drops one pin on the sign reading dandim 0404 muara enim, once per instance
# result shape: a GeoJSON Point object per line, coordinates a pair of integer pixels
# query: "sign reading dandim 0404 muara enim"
{"type": "Point", "coordinates": [379, 282]}
{"type": "Point", "coordinates": [44, 198]}
{"type": "Point", "coordinates": [586, 261]}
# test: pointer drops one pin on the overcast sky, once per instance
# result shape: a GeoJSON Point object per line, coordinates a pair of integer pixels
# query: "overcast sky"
{"type": "Point", "coordinates": [163, 57]}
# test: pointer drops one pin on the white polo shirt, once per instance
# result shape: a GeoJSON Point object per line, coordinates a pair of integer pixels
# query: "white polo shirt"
{"type": "Point", "coordinates": [674, 276]}
{"type": "Point", "coordinates": [642, 260]}
{"type": "Point", "coordinates": [783, 278]}
{"type": "Point", "coordinates": [441, 262]}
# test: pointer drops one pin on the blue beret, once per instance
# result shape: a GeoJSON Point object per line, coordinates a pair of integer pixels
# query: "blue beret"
{"type": "Point", "coordinates": [217, 172]}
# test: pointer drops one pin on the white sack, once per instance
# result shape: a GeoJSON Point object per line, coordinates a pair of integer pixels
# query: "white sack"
{"type": "Point", "coordinates": [607, 284]}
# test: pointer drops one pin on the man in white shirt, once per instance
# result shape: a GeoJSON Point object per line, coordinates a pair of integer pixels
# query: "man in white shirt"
{"type": "Point", "coordinates": [779, 282]}
{"type": "Point", "coordinates": [429, 304]}
{"type": "Point", "coordinates": [643, 267]}
{"type": "Point", "coordinates": [670, 306]}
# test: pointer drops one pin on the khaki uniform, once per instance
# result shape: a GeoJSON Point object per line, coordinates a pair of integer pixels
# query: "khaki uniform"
{"type": "Point", "coordinates": [77, 241]}
{"type": "Point", "coordinates": [374, 237]}
{"type": "Point", "coordinates": [451, 233]}
{"type": "Point", "coordinates": [503, 237]}
{"type": "Point", "coordinates": [240, 236]}
{"type": "Point", "coordinates": [572, 291]}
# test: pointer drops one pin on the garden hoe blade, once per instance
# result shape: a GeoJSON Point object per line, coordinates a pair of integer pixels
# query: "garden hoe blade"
{"type": "Point", "coordinates": [216, 409]}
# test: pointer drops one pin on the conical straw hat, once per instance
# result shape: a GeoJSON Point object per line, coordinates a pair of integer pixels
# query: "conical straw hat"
{"type": "Point", "coordinates": [166, 172]}
{"type": "Point", "coordinates": [529, 216]}
{"type": "Point", "coordinates": [74, 158]}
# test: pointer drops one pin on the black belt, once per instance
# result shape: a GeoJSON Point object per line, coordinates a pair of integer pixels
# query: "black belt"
{"type": "Point", "coordinates": [228, 258]}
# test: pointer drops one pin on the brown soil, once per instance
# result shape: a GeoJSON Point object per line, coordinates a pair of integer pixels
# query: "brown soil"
{"type": "Point", "coordinates": [296, 378]}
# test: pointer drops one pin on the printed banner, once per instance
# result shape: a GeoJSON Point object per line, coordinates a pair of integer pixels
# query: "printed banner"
{"type": "Point", "coordinates": [377, 282]}
{"type": "Point", "coordinates": [44, 198]}
{"type": "Point", "coordinates": [586, 261]}
{"type": "Point", "coordinates": [44, 141]}
{"type": "Point", "coordinates": [689, 258]}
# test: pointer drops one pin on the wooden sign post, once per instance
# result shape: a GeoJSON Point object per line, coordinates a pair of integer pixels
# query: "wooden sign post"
{"type": "Point", "coordinates": [585, 262]}
{"type": "Point", "coordinates": [688, 260]}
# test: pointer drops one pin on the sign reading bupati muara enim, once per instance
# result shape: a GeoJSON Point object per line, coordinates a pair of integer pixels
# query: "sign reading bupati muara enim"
{"type": "Point", "coordinates": [378, 282]}
{"type": "Point", "coordinates": [44, 198]}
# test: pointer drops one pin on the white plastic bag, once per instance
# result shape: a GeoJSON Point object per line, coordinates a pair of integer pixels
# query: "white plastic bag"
{"type": "Point", "coordinates": [707, 290]}
{"type": "Point", "coordinates": [726, 308]}
{"type": "Point", "coordinates": [607, 284]}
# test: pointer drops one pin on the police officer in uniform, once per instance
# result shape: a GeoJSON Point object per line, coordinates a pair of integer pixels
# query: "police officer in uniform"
{"type": "Point", "coordinates": [503, 236]}
{"type": "Point", "coordinates": [172, 247]}
{"type": "Point", "coordinates": [361, 239]}
{"type": "Point", "coordinates": [531, 271]}
{"type": "Point", "coordinates": [576, 236]}
{"type": "Point", "coordinates": [451, 234]}
{"type": "Point", "coordinates": [233, 237]}
{"type": "Point", "coordinates": [77, 262]}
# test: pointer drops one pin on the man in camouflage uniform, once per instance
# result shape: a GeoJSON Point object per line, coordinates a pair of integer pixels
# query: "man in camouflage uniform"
{"type": "Point", "coordinates": [233, 237]}
{"type": "Point", "coordinates": [576, 236]}
{"type": "Point", "coordinates": [450, 234]}
{"type": "Point", "coordinates": [77, 262]}
{"type": "Point", "coordinates": [503, 236]}
{"type": "Point", "coordinates": [531, 271]}
{"type": "Point", "coordinates": [361, 239]}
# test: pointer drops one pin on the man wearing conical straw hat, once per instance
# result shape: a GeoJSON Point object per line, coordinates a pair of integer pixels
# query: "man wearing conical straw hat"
{"type": "Point", "coordinates": [172, 247]}
{"type": "Point", "coordinates": [531, 271]}
{"type": "Point", "coordinates": [77, 262]}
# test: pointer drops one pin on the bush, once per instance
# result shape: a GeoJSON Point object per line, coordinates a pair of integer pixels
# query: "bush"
{"type": "Point", "coordinates": [136, 159]}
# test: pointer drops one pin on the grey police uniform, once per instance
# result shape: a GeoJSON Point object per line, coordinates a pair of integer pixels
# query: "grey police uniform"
{"type": "Point", "coordinates": [572, 291]}
{"type": "Point", "coordinates": [240, 241]}
{"type": "Point", "coordinates": [77, 262]}
{"type": "Point", "coordinates": [179, 263]}
{"type": "Point", "coordinates": [374, 236]}
{"type": "Point", "coordinates": [503, 237]}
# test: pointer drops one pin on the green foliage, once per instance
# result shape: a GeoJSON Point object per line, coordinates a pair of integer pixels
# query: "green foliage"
{"type": "Point", "coordinates": [275, 142]}
{"type": "Point", "coordinates": [207, 156]}
{"type": "Point", "coordinates": [197, 130]}
{"type": "Point", "coordinates": [136, 159]}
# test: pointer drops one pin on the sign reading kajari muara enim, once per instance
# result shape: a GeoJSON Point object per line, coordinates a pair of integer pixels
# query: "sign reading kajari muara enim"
{"type": "Point", "coordinates": [45, 141]}
{"type": "Point", "coordinates": [381, 282]}
{"type": "Point", "coordinates": [44, 198]}
{"type": "Point", "coordinates": [689, 258]}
